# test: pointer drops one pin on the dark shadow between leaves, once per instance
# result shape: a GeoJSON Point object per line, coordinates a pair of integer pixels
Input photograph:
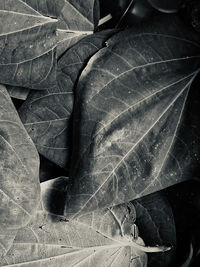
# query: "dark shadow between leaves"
{"type": "Point", "coordinates": [53, 197]}
{"type": "Point", "coordinates": [50, 170]}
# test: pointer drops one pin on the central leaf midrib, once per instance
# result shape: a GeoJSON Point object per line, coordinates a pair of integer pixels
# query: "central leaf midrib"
{"type": "Point", "coordinates": [143, 136]}
{"type": "Point", "coordinates": [59, 256]}
{"type": "Point", "coordinates": [135, 104]}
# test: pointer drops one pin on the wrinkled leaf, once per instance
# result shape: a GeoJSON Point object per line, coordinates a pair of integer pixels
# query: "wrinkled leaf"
{"type": "Point", "coordinates": [46, 114]}
{"type": "Point", "coordinates": [156, 223]}
{"type": "Point", "coordinates": [92, 240]}
{"type": "Point", "coordinates": [18, 92]}
{"type": "Point", "coordinates": [27, 46]}
{"type": "Point", "coordinates": [135, 130]}
{"type": "Point", "coordinates": [19, 172]}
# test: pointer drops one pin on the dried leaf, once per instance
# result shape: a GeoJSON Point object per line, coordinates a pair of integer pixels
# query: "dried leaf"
{"type": "Point", "coordinates": [135, 130]}
{"type": "Point", "coordinates": [19, 173]}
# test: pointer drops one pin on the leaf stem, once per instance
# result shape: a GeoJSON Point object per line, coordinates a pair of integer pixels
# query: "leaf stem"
{"type": "Point", "coordinates": [105, 19]}
{"type": "Point", "coordinates": [124, 14]}
{"type": "Point", "coordinates": [149, 249]}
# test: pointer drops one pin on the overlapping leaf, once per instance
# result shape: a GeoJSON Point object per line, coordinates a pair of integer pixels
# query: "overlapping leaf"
{"type": "Point", "coordinates": [19, 173]}
{"type": "Point", "coordinates": [46, 114]}
{"type": "Point", "coordinates": [156, 223]}
{"type": "Point", "coordinates": [18, 92]}
{"type": "Point", "coordinates": [98, 239]}
{"type": "Point", "coordinates": [76, 18]}
{"type": "Point", "coordinates": [73, 15]}
{"type": "Point", "coordinates": [28, 39]}
{"type": "Point", "coordinates": [27, 46]}
{"type": "Point", "coordinates": [135, 130]}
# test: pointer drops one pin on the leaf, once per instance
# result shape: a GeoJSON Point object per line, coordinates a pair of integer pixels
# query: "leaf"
{"type": "Point", "coordinates": [72, 63]}
{"type": "Point", "coordinates": [135, 129]}
{"type": "Point", "coordinates": [76, 19]}
{"type": "Point", "coordinates": [6, 240]}
{"type": "Point", "coordinates": [48, 8]}
{"type": "Point", "coordinates": [46, 117]}
{"type": "Point", "coordinates": [156, 223]}
{"type": "Point", "coordinates": [19, 173]}
{"type": "Point", "coordinates": [18, 92]}
{"type": "Point", "coordinates": [67, 40]}
{"type": "Point", "coordinates": [92, 240]}
{"type": "Point", "coordinates": [28, 40]}
{"type": "Point", "coordinates": [27, 46]}
{"type": "Point", "coordinates": [46, 114]}
{"type": "Point", "coordinates": [74, 15]}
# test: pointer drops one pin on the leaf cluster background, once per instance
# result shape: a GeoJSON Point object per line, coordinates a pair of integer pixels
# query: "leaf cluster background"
{"type": "Point", "coordinates": [99, 135]}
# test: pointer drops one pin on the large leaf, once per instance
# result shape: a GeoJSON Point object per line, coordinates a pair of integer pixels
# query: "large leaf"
{"type": "Point", "coordinates": [135, 130]}
{"type": "Point", "coordinates": [27, 46]}
{"type": "Point", "coordinates": [19, 172]}
{"type": "Point", "coordinates": [46, 114]}
{"type": "Point", "coordinates": [98, 239]}
{"type": "Point", "coordinates": [76, 18]}
{"type": "Point", "coordinates": [156, 223]}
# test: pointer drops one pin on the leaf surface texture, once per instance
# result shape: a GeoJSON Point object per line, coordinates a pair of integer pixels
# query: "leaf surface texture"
{"type": "Point", "coordinates": [133, 121]}
{"type": "Point", "coordinates": [98, 239]}
{"type": "Point", "coordinates": [19, 173]}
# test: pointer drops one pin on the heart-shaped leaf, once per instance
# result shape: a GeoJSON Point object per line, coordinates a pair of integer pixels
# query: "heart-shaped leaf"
{"type": "Point", "coordinates": [135, 129]}
{"type": "Point", "coordinates": [27, 46]}
{"type": "Point", "coordinates": [98, 239]}
{"type": "Point", "coordinates": [19, 172]}
{"type": "Point", "coordinates": [46, 114]}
